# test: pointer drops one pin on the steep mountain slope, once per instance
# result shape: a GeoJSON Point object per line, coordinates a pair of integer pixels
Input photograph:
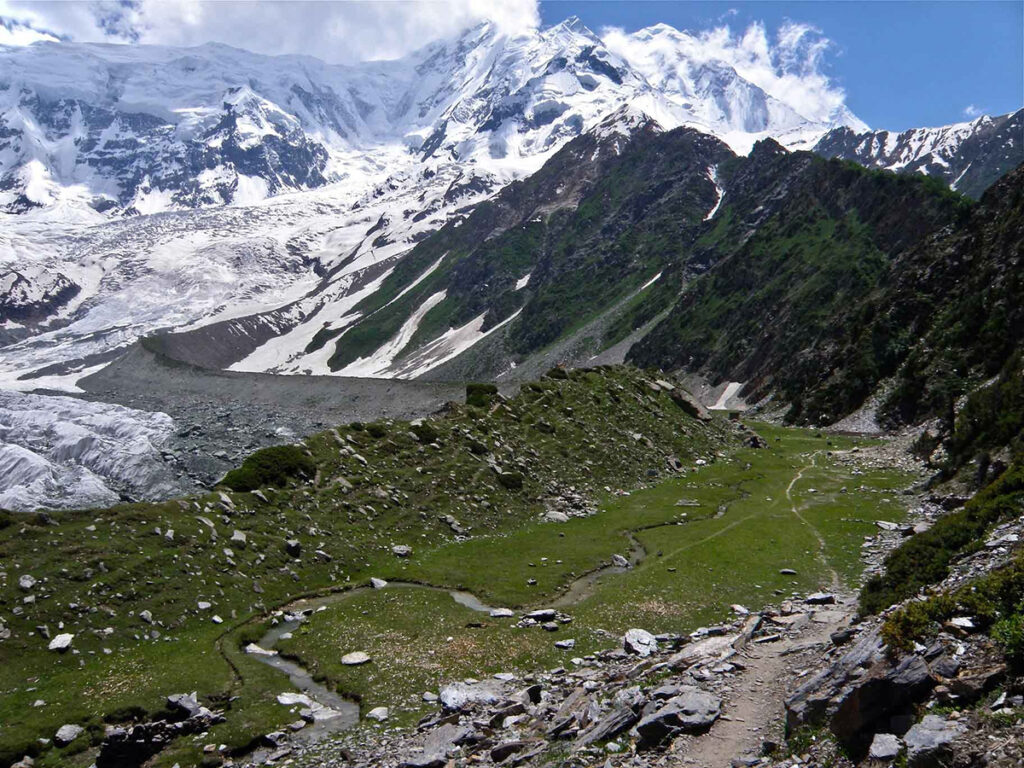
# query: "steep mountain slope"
{"type": "Point", "coordinates": [542, 255]}
{"type": "Point", "coordinates": [910, 283]}
{"type": "Point", "coordinates": [970, 157]}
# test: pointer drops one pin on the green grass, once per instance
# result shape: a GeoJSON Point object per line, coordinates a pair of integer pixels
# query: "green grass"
{"type": "Point", "coordinates": [101, 568]}
{"type": "Point", "coordinates": [716, 559]}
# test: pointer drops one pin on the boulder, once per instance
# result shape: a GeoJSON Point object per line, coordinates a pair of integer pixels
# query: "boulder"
{"type": "Point", "coordinates": [929, 741]}
{"type": "Point", "coordinates": [506, 750]}
{"type": "Point", "coordinates": [61, 642]}
{"type": "Point", "coordinates": [186, 704]}
{"type": "Point", "coordinates": [464, 695]}
{"type": "Point", "coordinates": [689, 404]}
{"type": "Point", "coordinates": [618, 720]}
{"type": "Point", "coordinates": [693, 711]}
{"type": "Point", "coordinates": [436, 746]}
{"type": "Point", "coordinates": [820, 598]}
{"type": "Point", "coordinates": [501, 613]}
{"type": "Point", "coordinates": [859, 692]}
{"type": "Point", "coordinates": [401, 550]}
{"type": "Point", "coordinates": [377, 583]}
{"type": "Point", "coordinates": [293, 547]}
{"type": "Point", "coordinates": [639, 642]}
{"type": "Point", "coordinates": [619, 561]}
{"type": "Point", "coordinates": [378, 714]}
{"type": "Point", "coordinates": [66, 734]}
{"type": "Point", "coordinates": [355, 658]}
{"type": "Point", "coordinates": [885, 746]}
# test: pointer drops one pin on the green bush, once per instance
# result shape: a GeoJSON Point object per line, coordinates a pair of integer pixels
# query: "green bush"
{"type": "Point", "coordinates": [513, 481]}
{"type": "Point", "coordinates": [924, 558]}
{"type": "Point", "coordinates": [1009, 633]}
{"type": "Point", "coordinates": [995, 600]}
{"type": "Point", "coordinates": [480, 395]}
{"type": "Point", "coordinates": [425, 432]}
{"type": "Point", "coordinates": [275, 466]}
{"type": "Point", "coordinates": [376, 430]}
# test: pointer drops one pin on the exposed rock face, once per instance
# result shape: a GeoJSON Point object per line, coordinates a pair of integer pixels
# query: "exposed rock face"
{"type": "Point", "coordinates": [969, 157]}
{"type": "Point", "coordinates": [692, 711]}
{"type": "Point", "coordinates": [858, 693]}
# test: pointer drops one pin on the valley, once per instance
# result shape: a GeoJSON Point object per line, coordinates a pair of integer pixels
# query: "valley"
{"type": "Point", "coordinates": [529, 396]}
{"type": "Point", "coordinates": [682, 535]}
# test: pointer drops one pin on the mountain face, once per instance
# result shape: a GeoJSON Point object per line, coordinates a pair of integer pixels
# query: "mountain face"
{"type": "Point", "coordinates": [970, 157]}
{"type": "Point", "coordinates": [911, 295]}
{"type": "Point", "coordinates": [142, 129]}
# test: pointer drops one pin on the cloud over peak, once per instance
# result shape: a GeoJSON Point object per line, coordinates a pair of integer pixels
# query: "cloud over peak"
{"type": "Point", "coordinates": [337, 32]}
{"type": "Point", "coordinates": [790, 66]}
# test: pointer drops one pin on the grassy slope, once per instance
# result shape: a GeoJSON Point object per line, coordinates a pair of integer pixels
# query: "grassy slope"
{"type": "Point", "coordinates": [93, 579]}
{"type": "Point", "coordinates": [420, 640]}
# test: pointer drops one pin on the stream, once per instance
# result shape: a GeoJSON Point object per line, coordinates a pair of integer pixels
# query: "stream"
{"type": "Point", "coordinates": [331, 711]}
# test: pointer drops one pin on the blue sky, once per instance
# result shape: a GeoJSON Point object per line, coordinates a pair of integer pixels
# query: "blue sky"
{"type": "Point", "coordinates": [902, 64]}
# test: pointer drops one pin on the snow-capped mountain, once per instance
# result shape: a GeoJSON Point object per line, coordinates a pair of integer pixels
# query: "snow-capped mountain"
{"type": "Point", "coordinates": [257, 205]}
{"type": "Point", "coordinates": [969, 156]}
{"type": "Point", "coordinates": [141, 129]}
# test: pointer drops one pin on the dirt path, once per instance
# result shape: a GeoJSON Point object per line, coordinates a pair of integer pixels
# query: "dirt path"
{"type": "Point", "coordinates": [754, 706]}
{"type": "Point", "coordinates": [754, 709]}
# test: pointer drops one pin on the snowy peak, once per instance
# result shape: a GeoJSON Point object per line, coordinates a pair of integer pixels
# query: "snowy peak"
{"type": "Point", "coordinates": [968, 156]}
{"type": "Point", "coordinates": [142, 129]}
{"type": "Point", "coordinates": [721, 94]}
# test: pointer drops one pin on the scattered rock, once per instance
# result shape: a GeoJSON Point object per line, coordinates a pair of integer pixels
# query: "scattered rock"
{"type": "Point", "coordinates": [66, 734]}
{"type": "Point", "coordinates": [61, 642]}
{"type": "Point", "coordinates": [639, 642]}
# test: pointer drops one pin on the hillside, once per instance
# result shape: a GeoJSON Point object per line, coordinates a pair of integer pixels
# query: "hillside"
{"type": "Point", "coordinates": [936, 315]}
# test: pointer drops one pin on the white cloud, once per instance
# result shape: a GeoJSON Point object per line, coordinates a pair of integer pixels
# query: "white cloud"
{"type": "Point", "coordinates": [13, 32]}
{"type": "Point", "coordinates": [790, 67]}
{"type": "Point", "coordinates": [333, 31]}
{"type": "Point", "coordinates": [972, 111]}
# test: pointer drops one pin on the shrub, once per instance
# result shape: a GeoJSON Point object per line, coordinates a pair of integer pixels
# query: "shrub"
{"type": "Point", "coordinates": [275, 466]}
{"type": "Point", "coordinates": [376, 430]}
{"type": "Point", "coordinates": [480, 395]}
{"type": "Point", "coordinates": [1009, 633]}
{"type": "Point", "coordinates": [513, 481]}
{"type": "Point", "coordinates": [425, 432]}
{"type": "Point", "coordinates": [924, 558]}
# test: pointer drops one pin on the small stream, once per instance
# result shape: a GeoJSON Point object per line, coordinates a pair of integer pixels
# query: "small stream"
{"type": "Point", "coordinates": [331, 711]}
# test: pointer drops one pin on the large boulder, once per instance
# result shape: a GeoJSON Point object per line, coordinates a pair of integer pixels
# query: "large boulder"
{"type": "Point", "coordinates": [692, 711]}
{"type": "Point", "coordinates": [929, 742]}
{"type": "Point", "coordinates": [465, 695]}
{"type": "Point", "coordinates": [858, 694]}
{"type": "Point", "coordinates": [639, 642]}
{"type": "Point", "coordinates": [689, 404]}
